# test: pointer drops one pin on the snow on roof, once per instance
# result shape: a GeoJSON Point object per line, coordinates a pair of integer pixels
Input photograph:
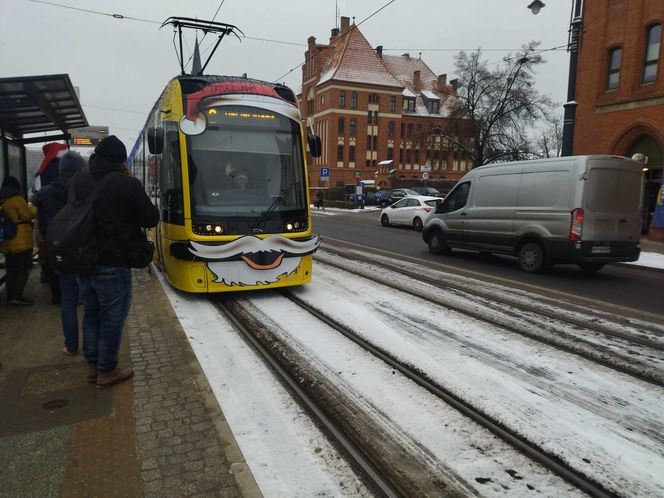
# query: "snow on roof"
{"type": "Point", "coordinates": [408, 93]}
{"type": "Point", "coordinates": [430, 95]}
{"type": "Point", "coordinates": [353, 59]}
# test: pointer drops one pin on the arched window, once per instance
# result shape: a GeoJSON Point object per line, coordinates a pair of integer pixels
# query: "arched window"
{"type": "Point", "coordinates": [341, 126]}
{"type": "Point", "coordinates": [653, 42]}
{"type": "Point", "coordinates": [342, 98]}
{"type": "Point", "coordinates": [613, 71]}
{"type": "Point", "coordinates": [353, 100]}
{"type": "Point", "coordinates": [353, 128]}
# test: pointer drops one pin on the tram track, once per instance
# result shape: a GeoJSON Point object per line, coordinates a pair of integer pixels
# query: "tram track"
{"type": "Point", "coordinates": [365, 448]}
{"type": "Point", "coordinates": [536, 321]}
{"type": "Point", "coordinates": [360, 438]}
{"type": "Point", "coordinates": [551, 462]}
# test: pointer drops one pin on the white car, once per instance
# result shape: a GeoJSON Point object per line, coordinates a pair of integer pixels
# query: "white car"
{"type": "Point", "coordinates": [412, 210]}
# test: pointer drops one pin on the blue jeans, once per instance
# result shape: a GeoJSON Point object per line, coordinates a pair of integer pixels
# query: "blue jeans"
{"type": "Point", "coordinates": [106, 301]}
{"type": "Point", "coordinates": [68, 313]}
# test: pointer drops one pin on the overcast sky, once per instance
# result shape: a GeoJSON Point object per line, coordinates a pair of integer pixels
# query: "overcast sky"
{"type": "Point", "coordinates": [121, 66]}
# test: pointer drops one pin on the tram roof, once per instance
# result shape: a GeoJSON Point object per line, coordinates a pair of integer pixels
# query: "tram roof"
{"type": "Point", "coordinates": [33, 104]}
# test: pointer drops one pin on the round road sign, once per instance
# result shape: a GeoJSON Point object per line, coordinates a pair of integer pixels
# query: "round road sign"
{"type": "Point", "coordinates": [425, 175]}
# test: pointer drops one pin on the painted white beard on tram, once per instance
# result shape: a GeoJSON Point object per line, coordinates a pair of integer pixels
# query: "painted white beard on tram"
{"type": "Point", "coordinates": [238, 273]}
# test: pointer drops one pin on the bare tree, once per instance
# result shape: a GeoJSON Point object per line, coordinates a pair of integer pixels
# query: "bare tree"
{"type": "Point", "coordinates": [548, 141]}
{"type": "Point", "coordinates": [496, 107]}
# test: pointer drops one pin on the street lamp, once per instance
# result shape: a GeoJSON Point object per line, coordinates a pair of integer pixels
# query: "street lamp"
{"type": "Point", "coordinates": [573, 49]}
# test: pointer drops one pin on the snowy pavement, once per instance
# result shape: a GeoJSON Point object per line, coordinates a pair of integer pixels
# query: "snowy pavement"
{"type": "Point", "coordinates": [600, 421]}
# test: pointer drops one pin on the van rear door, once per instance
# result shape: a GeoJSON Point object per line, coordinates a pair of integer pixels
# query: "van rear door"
{"type": "Point", "coordinates": [613, 193]}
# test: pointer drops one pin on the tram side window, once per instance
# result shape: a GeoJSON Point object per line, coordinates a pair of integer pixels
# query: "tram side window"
{"type": "Point", "coordinates": [170, 179]}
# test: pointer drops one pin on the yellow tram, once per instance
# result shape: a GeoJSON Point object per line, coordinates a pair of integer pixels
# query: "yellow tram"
{"type": "Point", "coordinates": [223, 158]}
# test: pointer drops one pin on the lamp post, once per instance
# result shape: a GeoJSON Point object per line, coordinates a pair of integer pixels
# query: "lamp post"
{"type": "Point", "coordinates": [573, 49]}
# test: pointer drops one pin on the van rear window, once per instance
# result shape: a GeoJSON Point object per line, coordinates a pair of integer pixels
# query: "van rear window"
{"type": "Point", "coordinates": [613, 190]}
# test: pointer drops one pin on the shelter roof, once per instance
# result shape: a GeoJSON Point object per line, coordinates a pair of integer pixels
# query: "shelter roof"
{"type": "Point", "coordinates": [32, 104]}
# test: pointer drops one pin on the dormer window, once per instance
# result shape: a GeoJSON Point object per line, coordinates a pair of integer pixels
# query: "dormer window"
{"type": "Point", "coordinates": [409, 104]}
{"type": "Point", "coordinates": [433, 106]}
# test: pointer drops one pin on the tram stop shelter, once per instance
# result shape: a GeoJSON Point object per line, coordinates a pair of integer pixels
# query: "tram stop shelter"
{"type": "Point", "coordinates": [34, 109]}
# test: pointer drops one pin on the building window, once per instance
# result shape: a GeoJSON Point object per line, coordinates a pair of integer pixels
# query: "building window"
{"type": "Point", "coordinates": [400, 156]}
{"type": "Point", "coordinates": [407, 156]}
{"type": "Point", "coordinates": [375, 117]}
{"type": "Point", "coordinates": [613, 74]}
{"type": "Point", "coordinates": [375, 142]}
{"type": "Point", "coordinates": [368, 142]}
{"type": "Point", "coordinates": [390, 154]}
{"type": "Point", "coordinates": [410, 130]}
{"type": "Point", "coordinates": [340, 153]}
{"type": "Point", "coordinates": [310, 106]}
{"type": "Point", "coordinates": [368, 163]}
{"type": "Point", "coordinates": [417, 156]}
{"type": "Point", "coordinates": [351, 154]}
{"type": "Point", "coordinates": [352, 128]}
{"type": "Point", "coordinates": [369, 117]}
{"type": "Point", "coordinates": [409, 104]}
{"type": "Point", "coordinates": [390, 129]}
{"type": "Point", "coordinates": [341, 126]}
{"type": "Point", "coordinates": [342, 98]}
{"type": "Point", "coordinates": [393, 103]}
{"type": "Point", "coordinates": [653, 39]}
{"type": "Point", "coordinates": [353, 100]}
{"type": "Point", "coordinates": [433, 106]}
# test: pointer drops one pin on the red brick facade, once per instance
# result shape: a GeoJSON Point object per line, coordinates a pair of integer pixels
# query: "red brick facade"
{"type": "Point", "coordinates": [369, 108]}
{"type": "Point", "coordinates": [621, 106]}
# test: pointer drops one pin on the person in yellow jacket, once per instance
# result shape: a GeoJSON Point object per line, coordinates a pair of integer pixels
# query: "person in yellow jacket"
{"type": "Point", "coordinates": [18, 249]}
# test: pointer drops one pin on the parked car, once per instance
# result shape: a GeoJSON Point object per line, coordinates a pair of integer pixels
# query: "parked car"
{"type": "Point", "coordinates": [584, 210]}
{"type": "Point", "coordinates": [383, 197]}
{"type": "Point", "coordinates": [399, 193]}
{"type": "Point", "coordinates": [430, 191]}
{"type": "Point", "coordinates": [412, 210]}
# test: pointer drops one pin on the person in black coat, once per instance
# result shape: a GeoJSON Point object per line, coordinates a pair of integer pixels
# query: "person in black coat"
{"type": "Point", "coordinates": [121, 210]}
{"type": "Point", "coordinates": [64, 287]}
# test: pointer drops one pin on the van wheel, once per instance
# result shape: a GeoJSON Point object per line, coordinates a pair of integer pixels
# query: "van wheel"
{"type": "Point", "coordinates": [437, 244]}
{"type": "Point", "coordinates": [385, 221]}
{"type": "Point", "coordinates": [591, 268]}
{"type": "Point", "coordinates": [417, 224]}
{"type": "Point", "coordinates": [531, 257]}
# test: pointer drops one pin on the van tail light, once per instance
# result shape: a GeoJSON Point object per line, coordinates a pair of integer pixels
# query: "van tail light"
{"type": "Point", "coordinates": [576, 227]}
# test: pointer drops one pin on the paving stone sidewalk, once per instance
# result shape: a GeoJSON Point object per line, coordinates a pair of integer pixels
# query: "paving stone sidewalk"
{"type": "Point", "coordinates": [161, 434]}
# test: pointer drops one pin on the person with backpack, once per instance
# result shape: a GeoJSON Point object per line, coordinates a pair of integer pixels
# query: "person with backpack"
{"type": "Point", "coordinates": [17, 249]}
{"type": "Point", "coordinates": [64, 287]}
{"type": "Point", "coordinates": [121, 209]}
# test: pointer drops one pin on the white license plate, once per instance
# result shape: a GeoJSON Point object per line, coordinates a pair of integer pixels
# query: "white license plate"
{"type": "Point", "coordinates": [601, 250]}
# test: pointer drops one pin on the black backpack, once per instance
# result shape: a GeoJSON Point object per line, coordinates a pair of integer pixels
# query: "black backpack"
{"type": "Point", "coordinates": [71, 243]}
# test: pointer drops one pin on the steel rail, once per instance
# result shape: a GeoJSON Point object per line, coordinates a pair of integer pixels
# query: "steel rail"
{"type": "Point", "coordinates": [339, 437]}
{"type": "Point", "coordinates": [548, 461]}
{"type": "Point", "coordinates": [588, 355]}
{"type": "Point", "coordinates": [511, 302]}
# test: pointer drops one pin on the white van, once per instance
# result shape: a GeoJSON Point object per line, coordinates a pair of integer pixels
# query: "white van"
{"type": "Point", "coordinates": [580, 209]}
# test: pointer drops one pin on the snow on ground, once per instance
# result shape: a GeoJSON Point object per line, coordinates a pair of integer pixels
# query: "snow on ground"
{"type": "Point", "coordinates": [650, 259]}
{"type": "Point", "coordinates": [287, 454]}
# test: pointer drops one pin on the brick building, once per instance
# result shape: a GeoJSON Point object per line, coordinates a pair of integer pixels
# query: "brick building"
{"type": "Point", "coordinates": [377, 115]}
{"type": "Point", "coordinates": [620, 87]}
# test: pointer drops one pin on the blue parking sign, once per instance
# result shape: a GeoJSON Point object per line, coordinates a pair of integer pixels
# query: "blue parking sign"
{"type": "Point", "coordinates": [324, 172]}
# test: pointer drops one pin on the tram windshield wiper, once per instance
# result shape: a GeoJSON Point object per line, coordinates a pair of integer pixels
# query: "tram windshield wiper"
{"type": "Point", "coordinates": [280, 199]}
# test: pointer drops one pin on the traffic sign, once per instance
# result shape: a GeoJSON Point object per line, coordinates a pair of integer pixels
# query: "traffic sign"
{"type": "Point", "coordinates": [324, 172]}
{"type": "Point", "coordinates": [425, 167]}
{"type": "Point", "coordinates": [425, 175]}
{"type": "Point", "coordinates": [357, 173]}
{"type": "Point", "coordinates": [324, 178]}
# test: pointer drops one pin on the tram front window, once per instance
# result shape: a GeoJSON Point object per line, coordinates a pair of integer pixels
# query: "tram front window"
{"type": "Point", "coordinates": [247, 164]}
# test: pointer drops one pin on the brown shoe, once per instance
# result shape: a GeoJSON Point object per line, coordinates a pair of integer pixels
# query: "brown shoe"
{"type": "Point", "coordinates": [108, 379]}
{"type": "Point", "coordinates": [92, 373]}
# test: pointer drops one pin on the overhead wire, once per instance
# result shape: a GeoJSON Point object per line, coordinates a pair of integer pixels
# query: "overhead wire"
{"type": "Point", "coordinates": [116, 16]}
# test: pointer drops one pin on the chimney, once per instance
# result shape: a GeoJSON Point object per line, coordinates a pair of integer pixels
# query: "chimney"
{"type": "Point", "coordinates": [416, 81]}
{"type": "Point", "coordinates": [407, 56]}
{"type": "Point", "coordinates": [442, 83]}
{"type": "Point", "coordinates": [345, 23]}
{"type": "Point", "coordinates": [335, 33]}
{"type": "Point", "coordinates": [455, 85]}
{"type": "Point", "coordinates": [311, 42]}
{"type": "Point", "coordinates": [379, 51]}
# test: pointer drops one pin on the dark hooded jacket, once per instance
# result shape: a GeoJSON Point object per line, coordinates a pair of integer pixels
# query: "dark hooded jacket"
{"type": "Point", "coordinates": [122, 208]}
{"type": "Point", "coordinates": [52, 198]}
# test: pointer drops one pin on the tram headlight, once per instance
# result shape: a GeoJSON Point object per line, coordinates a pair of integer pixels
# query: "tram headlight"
{"type": "Point", "coordinates": [218, 229]}
{"type": "Point", "coordinates": [208, 228]}
{"type": "Point", "coordinates": [289, 226]}
{"type": "Point", "coordinates": [295, 226]}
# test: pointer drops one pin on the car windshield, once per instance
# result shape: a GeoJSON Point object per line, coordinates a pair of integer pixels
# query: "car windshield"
{"type": "Point", "coordinates": [246, 163]}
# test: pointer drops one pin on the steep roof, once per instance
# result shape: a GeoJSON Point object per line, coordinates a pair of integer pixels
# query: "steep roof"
{"type": "Point", "coordinates": [352, 59]}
